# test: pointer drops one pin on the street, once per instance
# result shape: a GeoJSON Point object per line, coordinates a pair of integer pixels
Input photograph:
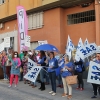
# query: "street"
{"type": "Point", "coordinates": [25, 92]}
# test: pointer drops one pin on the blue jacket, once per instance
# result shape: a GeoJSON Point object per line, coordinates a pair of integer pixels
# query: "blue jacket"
{"type": "Point", "coordinates": [54, 63]}
{"type": "Point", "coordinates": [66, 72]}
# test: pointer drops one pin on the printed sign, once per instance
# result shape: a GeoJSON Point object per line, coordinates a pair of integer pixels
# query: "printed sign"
{"type": "Point", "coordinates": [42, 42]}
{"type": "Point", "coordinates": [27, 41]}
{"type": "Point", "coordinates": [1, 46]}
{"type": "Point", "coordinates": [94, 73]}
{"type": "Point", "coordinates": [31, 64]}
{"type": "Point", "coordinates": [7, 42]}
{"type": "Point", "coordinates": [33, 73]}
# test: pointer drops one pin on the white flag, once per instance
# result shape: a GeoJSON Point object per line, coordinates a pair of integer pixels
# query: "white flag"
{"type": "Point", "coordinates": [86, 42]}
{"type": "Point", "coordinates": [80, 44]}
{"type": "Point", "coordinates": [33, 73]}
{"type": "Point", "coordinates": [70, 47]}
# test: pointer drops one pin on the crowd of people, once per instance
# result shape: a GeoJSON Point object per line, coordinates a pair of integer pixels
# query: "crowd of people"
{"type": "Point", "coordinates": [15, 67]}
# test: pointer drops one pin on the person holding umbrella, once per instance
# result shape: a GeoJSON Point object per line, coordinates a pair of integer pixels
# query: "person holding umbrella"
{"type": "Point", "coordinates": [41, 62]}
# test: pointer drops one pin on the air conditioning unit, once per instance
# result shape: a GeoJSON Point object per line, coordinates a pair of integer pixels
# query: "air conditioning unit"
{"type": "Point", "coordinates": [1, 25]}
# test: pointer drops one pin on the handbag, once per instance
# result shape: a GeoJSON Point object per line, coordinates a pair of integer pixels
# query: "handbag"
{"type": "Point", "coordinates": [71, 80]}
{"type": "Point", "coordinates": [21, 69]}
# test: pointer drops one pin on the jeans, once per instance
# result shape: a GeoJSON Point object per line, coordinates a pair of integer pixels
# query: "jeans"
{"type": "Point", "coordinates": [59, 80]}
{"type": "Point", "coordinates": [47, 77]}
{"type": "Point", "coordinates": [4, 72]}
{"type": "Point", "coordinates": [42, 73]}
{"type": "Point", "coordinates": [95, 87]}
{"type": "Point", "coordinates": [52, 76]}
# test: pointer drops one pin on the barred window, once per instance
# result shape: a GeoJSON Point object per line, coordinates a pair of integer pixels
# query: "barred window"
{"type": "Point", "coordinates": [81, 17]}
{"type": "Point", "coordinates": [35, 21]}
{"type": "Point", "coordinates": [2, 1]}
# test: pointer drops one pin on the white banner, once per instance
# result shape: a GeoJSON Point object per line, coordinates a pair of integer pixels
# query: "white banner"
{"type": "Point", "coordinates": [27, 41]}
{"type": "Point", "coordinates": [1, 46]}
{"type": "Point", "coordinates": [33, 73]}
{"type": "Point", "coordinates": [86, 42]}
{"type": "Point", "coordinates": [88, 50]}
{"type": "Point", "coordinates": [31, 64]}
{"type": "Point", "coordinates": [7, 42]}
{"type": "Point", "coordinates": [94, 73]}
{"type": "Point", "coordinates": [42, 42]}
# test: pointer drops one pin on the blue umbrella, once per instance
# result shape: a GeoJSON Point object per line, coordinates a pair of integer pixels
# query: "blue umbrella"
{"type": "Point", "coordinates": [47, 47]}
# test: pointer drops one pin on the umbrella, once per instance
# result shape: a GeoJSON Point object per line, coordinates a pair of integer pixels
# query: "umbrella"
{"type": "Point", "coordinates": [47, 47]}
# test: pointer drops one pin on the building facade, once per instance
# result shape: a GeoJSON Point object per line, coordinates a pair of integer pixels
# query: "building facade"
{"type": "Point", "coordinates": [52, 20]}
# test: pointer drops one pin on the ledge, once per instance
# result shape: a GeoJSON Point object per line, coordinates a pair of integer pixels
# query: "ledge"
{"type": "Point", "coordinates": [60, 3]}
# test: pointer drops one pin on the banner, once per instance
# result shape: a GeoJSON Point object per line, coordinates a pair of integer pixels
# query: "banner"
{"type": "Point", "coordinates": [30, 64]}
{"type": "Point", "coordinates": [7, 42]}
{"type": "Point", "coordinates": [1, 46]}
{"type": "Point", "coordinates": [42, 42]}
{"type": "Point", "coordinates": [27, 41]}
{"type": "Point", "coordinates": [94, 73]}
{"type": "Point", "coordinates": [33, 73]}
{"type": "Point", "coordinates": [22, 25]}
{"type": "Point", "coordinates": [86, 51]}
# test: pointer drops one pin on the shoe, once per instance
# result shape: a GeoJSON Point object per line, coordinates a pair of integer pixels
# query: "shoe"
{"type": "Point", "coordinates": [51, 92]}
{"type": "Point", "coordinates": [77, 88]}
{"type": "Point", "coordinates": [81, 89]}
{"type": "Point", "coordinates": [64, 95]}
{"type": "Point", "coordinates": [69, 97]}
{"type": "Point", "coordinates": [31, 85]}
{"type": "Point", "coordinates": [94, 96]}
{"type": "Point", "coordinates": [34, 86]}
{"type": "Point", "coordinates": [9, 86]}
{"type": "Point", "coordinates": [59, 85]}
{"type": "Point", "coordinates": [4, 79]}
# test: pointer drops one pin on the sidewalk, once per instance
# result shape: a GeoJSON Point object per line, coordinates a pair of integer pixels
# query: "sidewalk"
{"type": "Point", "coordinates": [77, 95]}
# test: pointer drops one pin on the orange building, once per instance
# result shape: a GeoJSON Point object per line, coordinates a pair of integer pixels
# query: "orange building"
{"type": "Point", "coordinates": [52, 20]}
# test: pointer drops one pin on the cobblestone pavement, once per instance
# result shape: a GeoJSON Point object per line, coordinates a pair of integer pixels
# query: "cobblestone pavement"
{"type": "Point", "coordinates": [25, 92]}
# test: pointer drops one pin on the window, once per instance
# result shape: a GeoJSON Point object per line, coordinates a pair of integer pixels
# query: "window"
{"type": "Point", "coordinates": [35, 21]}
{"type": "Point", "coordinates": [2, 1]}
{"type": "Point", "coordinates": [81, 17]}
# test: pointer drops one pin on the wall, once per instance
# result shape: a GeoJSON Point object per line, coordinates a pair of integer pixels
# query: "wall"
{"type": "Point", "coordinates": [83, 30]}
{"type": "Point", "coordinates": [9, 7]}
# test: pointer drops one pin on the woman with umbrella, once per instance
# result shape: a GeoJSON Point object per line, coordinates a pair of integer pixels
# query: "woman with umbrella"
{"type": "Point", "coordinates": [41, 62]}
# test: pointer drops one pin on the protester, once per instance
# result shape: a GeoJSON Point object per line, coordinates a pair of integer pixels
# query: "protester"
{"type": "Point", "coordinates": [25, 61]}
{"type": "Point", "coordinates": [60, 63]}
{"type": "Point", "coordinates": [3, 63]}
{"type": "Point", "coordinates": [96, 87]}
{"type": "Point", "coordinates": [15, 68]}
{"type": "Point", "coordinates": [53, 64]}
{"type": "Point", "coordinates": [66, 70]}
{"type": "Point", "coordinates": [41, 62]}
{"type": "Point", "coordinates": [79, 71]}
{"type": "Point", "coordinates": [8, 63]}
{"type": "Point", "coordinates": [21, 55]}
